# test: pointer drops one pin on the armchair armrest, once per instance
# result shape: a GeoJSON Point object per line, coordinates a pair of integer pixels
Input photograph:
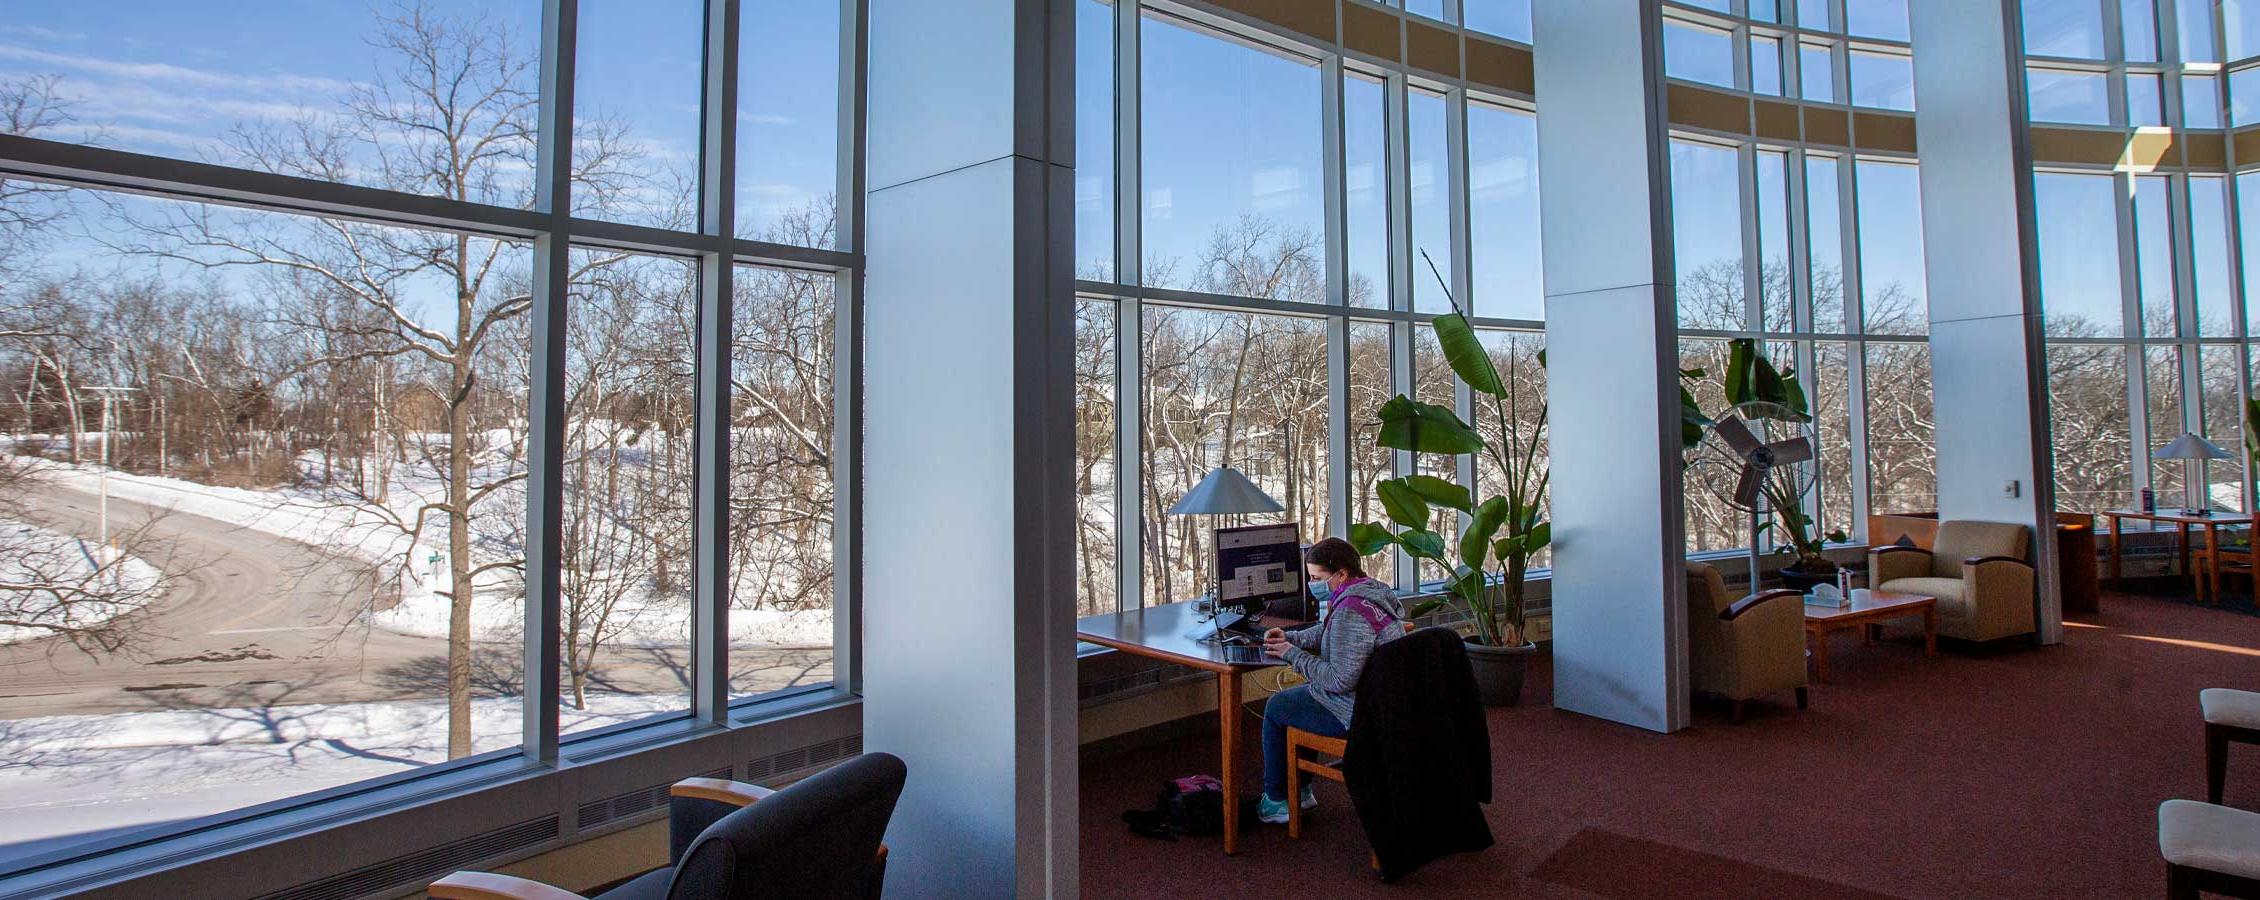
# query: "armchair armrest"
{"type": "Point", "coordinates": [1976, 561]}
{"type": "Point", "coordinates": [1747, 604]}
{"type": "Point", "coordinates": [491, 886]}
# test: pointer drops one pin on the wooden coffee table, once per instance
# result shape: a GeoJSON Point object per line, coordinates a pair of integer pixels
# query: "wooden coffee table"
{"type": "Point", "coordinates": [1879, 607]}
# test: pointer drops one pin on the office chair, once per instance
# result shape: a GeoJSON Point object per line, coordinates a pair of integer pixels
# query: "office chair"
{"type": "Point", "coordinates": [818, 839]}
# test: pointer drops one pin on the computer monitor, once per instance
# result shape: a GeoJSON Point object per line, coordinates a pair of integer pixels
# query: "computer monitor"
{"type": "Point", "coordinates": [1258, 564]}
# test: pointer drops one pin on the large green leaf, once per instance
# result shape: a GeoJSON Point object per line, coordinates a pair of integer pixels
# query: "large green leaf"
{"type": "Point", "coordinates": [1467, 357]}
{"type": "Point", "coordinates": [1692, 421]}
{"type": "Point", "coordinates": [1439, 491]}
{"type": "Point", "coordinates": [1370, 538]}
{"type": "Point", "coordinates": [1475, 540]}
{"type": "Point", "coordinates": [1423, 543]}
{"type": "Point", "coordinates": [1407, 424]}
{"type": "Point", "coordinates": [1404, 505]}
{"type": "Point", "coordinates": [1751, 377]}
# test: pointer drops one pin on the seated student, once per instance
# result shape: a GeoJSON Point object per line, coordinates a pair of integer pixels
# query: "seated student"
{"type": "Point", "coordinates": [1330, 655]}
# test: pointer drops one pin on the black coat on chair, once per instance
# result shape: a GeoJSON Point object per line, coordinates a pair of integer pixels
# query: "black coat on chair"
{"type": "Point", "coordinates": [1418, 764]}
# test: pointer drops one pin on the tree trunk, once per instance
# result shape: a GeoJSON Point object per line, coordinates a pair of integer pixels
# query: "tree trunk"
{"type": "Point", "coordinates": [459, 563]}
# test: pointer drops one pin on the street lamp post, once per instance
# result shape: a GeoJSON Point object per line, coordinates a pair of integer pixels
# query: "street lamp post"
{"type": "Point", "coordinates": [109, 393]}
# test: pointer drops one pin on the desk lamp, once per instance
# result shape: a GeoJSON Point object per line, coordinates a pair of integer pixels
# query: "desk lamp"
{"type": "Point", "coordinates": [1224, 492]}
{"type": "Point", "coordinates": [2191, 447]}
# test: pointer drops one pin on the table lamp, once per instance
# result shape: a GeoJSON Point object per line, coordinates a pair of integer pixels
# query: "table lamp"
{"type": "Point", "coordinates": [1224, 492]}
{"type": "Point", "coordinates": [2191, 447]}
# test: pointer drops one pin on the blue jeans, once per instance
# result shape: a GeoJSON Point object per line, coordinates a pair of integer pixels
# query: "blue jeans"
{"type": "Point", "coordinates": [1291, 708]}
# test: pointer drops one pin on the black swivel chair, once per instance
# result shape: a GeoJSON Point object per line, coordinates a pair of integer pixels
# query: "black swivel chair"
{"type": "Point", "coordinates": [818, 839]}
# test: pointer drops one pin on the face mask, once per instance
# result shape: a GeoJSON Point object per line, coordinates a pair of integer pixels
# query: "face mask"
{"type": "Point", "coordinates": [1320, 589]}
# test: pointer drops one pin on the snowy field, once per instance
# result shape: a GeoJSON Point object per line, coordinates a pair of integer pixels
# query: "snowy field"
{"type": "Point", "coordinates": [36, 554]}
{"type": "Point", "coordinates": [64, 777]}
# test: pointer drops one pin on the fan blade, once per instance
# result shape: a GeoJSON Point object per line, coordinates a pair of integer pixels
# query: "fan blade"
{"type": "Point", "coordinates": [1738, 436]}
{"type": "Point", "coordinates": [1746, 491]}
{"type": "Point", "coordinates": [1794, 450]}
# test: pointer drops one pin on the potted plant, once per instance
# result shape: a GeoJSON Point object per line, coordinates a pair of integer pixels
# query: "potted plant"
{"type": "Point", "coordinates": [1750, 377]}
{"type": "Point", "coordinates": [1506, 529]}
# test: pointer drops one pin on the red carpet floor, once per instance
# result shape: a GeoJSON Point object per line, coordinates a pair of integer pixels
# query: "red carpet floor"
{"type": "Point", "coordinates": [2020, 772]}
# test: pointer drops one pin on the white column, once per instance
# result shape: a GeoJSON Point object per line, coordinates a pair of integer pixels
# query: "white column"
{"type": "Point", "coordinates": [1988, 363]}
{"type": "Point", "coordinates": [968, 637]}
{"type": "Point", "coordinates": [1612, 359]}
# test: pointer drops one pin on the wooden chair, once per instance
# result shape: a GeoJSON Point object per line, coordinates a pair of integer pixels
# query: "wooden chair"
{"type": "Point", "coordinates": [2209, 849]}
{"type": "Point", "coordinates": [2214, 564]}
{"type": "Point", "coordinates": [2231, 717]}
{"type": "Point", "coordinates": [1298, 764]}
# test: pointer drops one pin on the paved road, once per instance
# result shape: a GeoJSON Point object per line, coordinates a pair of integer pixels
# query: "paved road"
{"type": "Point", "coordinates": [253, 619]}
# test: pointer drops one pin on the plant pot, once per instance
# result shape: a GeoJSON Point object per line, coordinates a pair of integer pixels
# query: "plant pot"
{"type": "Point", "coordinates": [1499, 671]}
{"type": "Point", "coordinates": [1802, 581]}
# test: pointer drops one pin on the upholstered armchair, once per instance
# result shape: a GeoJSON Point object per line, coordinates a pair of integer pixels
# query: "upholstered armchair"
{"type": "Point", "coordinates": [1742, 648]}
{"type": "Point", "coordinates": [1977, 571]}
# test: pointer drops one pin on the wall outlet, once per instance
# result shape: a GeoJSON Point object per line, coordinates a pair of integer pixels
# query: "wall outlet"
{"type": "Point", "coordinates": [2010, 489]}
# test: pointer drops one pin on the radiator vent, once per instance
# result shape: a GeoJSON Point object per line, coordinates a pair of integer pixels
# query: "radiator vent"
{"type": "Point", "coordinates": [636, 802]}
{"type": "Point", "coordinates": [418, 868]}
{"type": "Point", "coordinates": [786, 762]}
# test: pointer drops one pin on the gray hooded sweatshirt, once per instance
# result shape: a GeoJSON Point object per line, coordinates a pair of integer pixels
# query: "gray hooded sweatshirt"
{"type": "Point", "coordinates": [1331, 654]}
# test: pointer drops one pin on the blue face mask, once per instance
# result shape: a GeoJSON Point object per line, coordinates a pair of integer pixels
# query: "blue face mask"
{"type": "Point", "coordinates": [1320, 590]}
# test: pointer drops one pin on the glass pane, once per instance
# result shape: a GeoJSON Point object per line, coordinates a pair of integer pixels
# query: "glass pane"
{"type": "Point", "coordinates": [1813, 14]}
{"type": "Point", "coordinates": [1369, 463]}
{"type": "Point", "coordinates": [625, 618]}
{"type": "Point", "coordinates": [1902, 450]}
{"type": "Point", "coordinates": [2219, 374]}
{"type": "Point", "coordinates": [2138, 26]}
{"type": "Point", "coordinates": [1433, 9]}
{"type": "Point", "coordinates": [1431, 201]}
{"type": "Point", "coordinates": [1832, 424]}
{"type": "Point", "coordinates": [1773, 240]}
{"type": "Point", "coordinates": [1433, 382]}
{"type": "Point", "coordinates": [635, 112]}
{"type": "Point", "coordinates": [1712, 522]}
{"type": "Point", "coordinates": [1506, 18]}
{"type": "Point", "coordinates": [1698, 54]}
{"type": "Point", "coordinates": [332, 92]}
{"type": "Point", "coordinates": [2201, 101]}
{"type": "Point", "coordinates": [1094, 457]}
{"type": "Point", "coordinates": [1885, 19]}
{"type": "Point", "coordinates": [1883, 80]}
{"type": "Point", "coordinates": [2240, 20]}
{"type": "Point", "coordinates": [2064, 28]}
{"type": "Point", "coordinates": [1231, 167]}
{"type": "Point", "coordinates": [1765, 65]}
{"type": "Point", "coordinates": [2087, 410]}
{"type": "Point", "coordinates": [2162, 378]}
{"type": "Point", "coordinates": [2194, 18]}
{"type": "Point", "coordinates": [2248, 231]}
{"type": "Point", "coordinates": [2056, 95]}
{"type": "Point", "coordinates": [1768, 10]}
{"type": "Point", "coordinates": [1892, 294]}
{"type": "Point", "coordinates": [781, 487]}
{"type": "Point", "coordinates": [1503, 213]}
{"type": "Point", "coordinates": [1824, 240]}
{"type": "Point", "coordinates": [1204, 406]}
{"type": "Point", "coordinates": [1816, 75]}
{"type": "Point", "coordinates": [2244, 97]}
{"type": "Point", "coordinates": [789, 123]}
{"type": "Point", "coordinates": [1094, 140]}
{"type": "Point", "coordinates": [1706, 204]}
{"type": "Point", "coordinates": [2079, 254]}
{"type": "Point", "coordinates": [2145, 100]}
{"type": "Point", "coordinates": [2154, 256]}
{"type": "Point", "coordinates": [1365, 147]}
{"type": "Point", "coordinates": [2209, 255]}
{"type": "Point", "coordinates": [280, 444]}
{"type": "Point", "coordinates": [1515, 355]}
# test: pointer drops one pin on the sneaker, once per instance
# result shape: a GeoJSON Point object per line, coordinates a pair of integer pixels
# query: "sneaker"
{"type": "Point", "coordinates": [1271, 812]}
{"type": "Point", "coordinates": [1310, 800]}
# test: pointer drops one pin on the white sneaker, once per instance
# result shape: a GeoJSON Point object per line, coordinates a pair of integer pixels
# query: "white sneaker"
{"type": "Point", "coordinates": [1310, 800]}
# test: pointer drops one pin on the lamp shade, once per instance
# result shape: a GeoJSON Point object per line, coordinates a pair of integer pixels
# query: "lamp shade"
{"type": "Point", "coordinates": [1224, 492]}
{"type": "Point", "coordinates": [2189, 446]}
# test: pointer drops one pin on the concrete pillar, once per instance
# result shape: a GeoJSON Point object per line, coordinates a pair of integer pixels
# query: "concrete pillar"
{"type": "Point", "coordinates": [1988, 363]}
{"type": "Point", "coordinates": [968, 628]}
{"type": "Point", "coordinates": [1620, 643]}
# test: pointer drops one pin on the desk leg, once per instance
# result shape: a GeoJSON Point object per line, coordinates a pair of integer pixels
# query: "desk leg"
{"type": "Point", "coordinates": [1228, 709]}
{"type": "Point", "coordinates": [1820, 655]}
{"type": "Point", "coordinates": [2212, 566]}
{"type": "Point", "coordinates": [2116, 575]}
{"type": "Point", "coordinates": [2186, 570]}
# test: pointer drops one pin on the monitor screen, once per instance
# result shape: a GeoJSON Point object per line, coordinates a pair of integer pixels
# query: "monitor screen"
{"type": "Point", "coordinates": [1257, 564]}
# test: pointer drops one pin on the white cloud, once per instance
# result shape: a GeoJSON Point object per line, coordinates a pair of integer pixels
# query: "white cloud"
{"type": "Point", "coordinates": [166, 73]}
{"type": "Point", "coordinates": [43, 33]}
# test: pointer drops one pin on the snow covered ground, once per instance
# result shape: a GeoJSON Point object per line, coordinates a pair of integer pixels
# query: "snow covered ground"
{"type": "Point", "coordinates": [63, 778]}
{"type": "Point", "coordinates": [34, 554]}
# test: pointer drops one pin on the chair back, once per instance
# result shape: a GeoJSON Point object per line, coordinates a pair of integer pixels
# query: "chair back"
{"type": "Point", "coordinates": [815, 840]}
{"type": "Point", "coordinates": [1961, 539]}
{"type": "Point", "coordinates": [1706, 591]}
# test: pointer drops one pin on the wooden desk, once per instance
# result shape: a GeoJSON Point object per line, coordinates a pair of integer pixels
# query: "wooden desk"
{"type": "Point", "coordinates": [2212, 525]}
{"type": "Point", "coordinates": [1159, 632]}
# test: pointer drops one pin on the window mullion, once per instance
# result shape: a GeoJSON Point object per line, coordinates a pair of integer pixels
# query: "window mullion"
{"type": "Point", "coordinates": [546, 413]}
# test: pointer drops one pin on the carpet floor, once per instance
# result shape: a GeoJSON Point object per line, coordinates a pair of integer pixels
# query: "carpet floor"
{"type": "Point", "coordinates": [2006, 771]}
